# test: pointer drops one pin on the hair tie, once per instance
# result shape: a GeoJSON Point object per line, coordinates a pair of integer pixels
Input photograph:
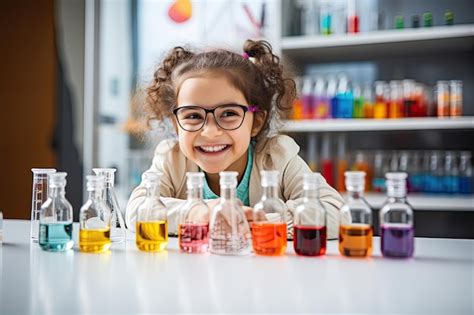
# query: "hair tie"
{"type": "Point", "coordinates": [245, 55]}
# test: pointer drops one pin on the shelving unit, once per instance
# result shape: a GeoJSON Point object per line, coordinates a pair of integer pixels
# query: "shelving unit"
{"type": "Point", "coordinates": [426, 123]}
{"type": "Point", "coordinates": [428, 202]}
{"type": "Point", "coordinates": [388, 42]}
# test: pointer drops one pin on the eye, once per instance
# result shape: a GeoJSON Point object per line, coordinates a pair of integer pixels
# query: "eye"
{"type": "Point", "coordinates": [193, 116]}
{"type": "Point", "coordinates": [229, 113]}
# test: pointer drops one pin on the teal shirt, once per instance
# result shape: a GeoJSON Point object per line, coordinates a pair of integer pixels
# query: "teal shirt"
{"type": "Point", "coordinates": [242, 188]}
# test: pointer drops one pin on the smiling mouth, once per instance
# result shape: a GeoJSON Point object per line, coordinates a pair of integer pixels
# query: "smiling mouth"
{"type": "Point", "coordinates": [213, 148]}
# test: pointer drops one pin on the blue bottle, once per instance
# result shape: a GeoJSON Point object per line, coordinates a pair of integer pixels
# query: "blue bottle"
{"type": "Point", "coordinates": [331, 92]}
{"type": "Point", "coordinates": [465, 173]}
{"type": "Point", "coordinates": [451, 174]}
{"type": "Point", "coordinates": [55, 231]}
{"type": "Point", "coordinates": [345, 99]}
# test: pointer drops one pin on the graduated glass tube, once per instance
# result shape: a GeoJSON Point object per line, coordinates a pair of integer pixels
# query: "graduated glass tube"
{"type": "Point", "coordinates": [38, 197]}
{"type": "Point", "coordinates": [55, 230]}
{"type": "Point", "coordinates": [269, 218]}
{"type": "Point", "coordinates": [396, 219]}
{"type": "Point", "coordinates": [230, 232]}
{"type": "Point", "coordinates": [152, 219]}
{"type": "Point", "coordinates": [309, 236]}
{"type": "Point", "coordinates": [193, 230]}
{"type": "Point", "coordinates": [355, 231]}
{"type": "Point", "coordinates": [95, 218]}
{"type": "Point", "coordinates": [117, 227]}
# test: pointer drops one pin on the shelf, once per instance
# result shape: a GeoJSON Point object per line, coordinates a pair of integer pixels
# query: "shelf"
{"type": "Point", "coordinates": [428, 202]}
{"type": "Point", "coordinates": [426, 123]}
{"type": "Point", "coordinates": [380, 43]}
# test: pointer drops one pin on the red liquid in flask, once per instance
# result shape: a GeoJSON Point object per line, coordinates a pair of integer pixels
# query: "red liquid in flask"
{"type": "Point", "coordinates": [309, 240]}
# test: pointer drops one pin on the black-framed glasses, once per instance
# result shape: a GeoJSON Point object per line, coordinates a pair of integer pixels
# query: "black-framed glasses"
{"type": "Point", "coordinates": [228, 116]}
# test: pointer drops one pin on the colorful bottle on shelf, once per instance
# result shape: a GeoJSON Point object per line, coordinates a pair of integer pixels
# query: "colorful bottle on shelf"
{"type": "Point", "coordinates": [399, 22]}
{"type": "Point", "coordinates": [325, 17]}
{"type": "Point", "coordinates": [341, 162]}
{"type": "Point", "coordinates": [327, 167]}
{"type": "Point", "coordinates": [269, 234]}
{"type": "Point", "coordinates": [355, 231]}
{"type": "Point", "coordinates": [380, 166]}
{"type": "Point", "coordinates": [415, 177]}
{"type": "Point", "coordinates": [352, 18]}
{"type": "Point", "coordinates": [396, 219]}
{"type": "Point", "coordinates": [465, 173]}
{"type": "Point", "coordinates": [297, 109]}
{"type": "Point", "coordinates": [230, 231]}
{"type": "Point", "coordinates": [442, 98]}
{"type": "Point", "coordinates": [321, 104]}
{"type": "Point", "coordinates": [396, 96]}
{"type": "Point", "coordinates": [361, 164]}
{"type": "Point", "coordinates": [368, 96]}
{"type": "Point", "coordinates": [427, 19]}
{"type": "Point", "coordinates": [331, 92]}
{"type": "Point", "coordinates": [193, 229]}
{"type": "Point", "coordinates": [345, 98]}
{"type": "Point", "coordinates": [381, 99]}
{"type": "Point", "coordinates": [448, 17]}
{"type": "Point", "coordinates": [455, 98]}
{"type": "Point", "coordinates": [434, 177]}
{"type": "Point", "coordinates": [152, 217]}
{"type": "Point", "coordinates": [307, 98]}
{"type": "Point", "coordinates": [409, 105]}
{"type": "Point", "coordinates": [95, 218]}
{"type": "Point", "coordinates": [309, 234]}
{"type": "Point", "coordinates": [55, 228]}
{"type": "Point", "coordinates": [358, 102]}
{"type": "Point", "coordinates": [451, 173]}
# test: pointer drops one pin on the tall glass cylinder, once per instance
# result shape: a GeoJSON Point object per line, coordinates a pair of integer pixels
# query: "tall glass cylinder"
{"type": "Point", "coordinates": [38, 197]}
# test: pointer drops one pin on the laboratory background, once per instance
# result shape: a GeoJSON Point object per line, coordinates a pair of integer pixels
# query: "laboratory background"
{"type": "Point", "coordinates": [70, 78]}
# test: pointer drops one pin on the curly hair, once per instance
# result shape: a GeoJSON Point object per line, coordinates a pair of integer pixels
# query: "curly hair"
{"type": "Point", "coordinates": [259, 76]}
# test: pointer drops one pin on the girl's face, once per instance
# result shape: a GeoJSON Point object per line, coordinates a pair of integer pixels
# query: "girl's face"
{"type": "Point", "coordinates": [212, 148]}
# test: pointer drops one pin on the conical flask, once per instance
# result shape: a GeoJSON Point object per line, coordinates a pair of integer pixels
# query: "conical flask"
{"type": "Point", "coordinates": [117, 226]}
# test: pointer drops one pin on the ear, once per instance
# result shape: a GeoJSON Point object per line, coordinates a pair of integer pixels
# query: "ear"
{"type": "Point", "coordinates": [258, 122]}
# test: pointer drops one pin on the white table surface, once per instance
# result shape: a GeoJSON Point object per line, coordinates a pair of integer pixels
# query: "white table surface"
{"type": "Point", "coordinates": [439, 279]}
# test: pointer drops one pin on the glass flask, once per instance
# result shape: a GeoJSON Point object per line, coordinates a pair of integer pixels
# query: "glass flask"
{"type": "Point", "coordinates": [117, 227]}
{"type": "Point", "coordinates": [230, 232]}
{"type": "Point", "coordinates": [152, 218]}
{"type": "Point", "coordinates": [396, 219]}
{"type": "Point", "coordinates": [309, 235]}
{"type": "Point", "coordinates": [95, 218]}
{"type": "Point", "coordinates": [55, 229]}
{"type": "Point", "coordinates": [193, 229]}
{"type": "Point", "coordinates": [38, 197]}
{"type": "Point", "coordinates": [269, 218]}
{"type": "Point", "coordinates": [355, 231]}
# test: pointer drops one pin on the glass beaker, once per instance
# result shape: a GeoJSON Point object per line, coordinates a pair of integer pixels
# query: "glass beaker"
{"type": "Point", "coordinates": [38, 197]}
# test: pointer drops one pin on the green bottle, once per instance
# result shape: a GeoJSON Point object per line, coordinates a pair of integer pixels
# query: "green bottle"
{"type": "Point", "coordinates": [427, 19]}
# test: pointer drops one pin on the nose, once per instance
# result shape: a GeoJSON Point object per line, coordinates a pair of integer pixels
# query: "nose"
{"type": "Point", "coordinates": [210, 128]}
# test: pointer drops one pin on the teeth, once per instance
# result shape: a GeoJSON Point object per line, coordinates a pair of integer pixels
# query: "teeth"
{"type": "Point", "coordinates": [213, 148]}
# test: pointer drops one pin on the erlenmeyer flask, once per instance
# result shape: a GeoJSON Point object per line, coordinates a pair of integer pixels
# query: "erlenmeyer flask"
{"type": "Point", "coordinates": [117, 226]}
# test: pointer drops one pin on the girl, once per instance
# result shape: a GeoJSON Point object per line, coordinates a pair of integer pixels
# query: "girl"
{"type": "Point", "coordinates": [222, 105]}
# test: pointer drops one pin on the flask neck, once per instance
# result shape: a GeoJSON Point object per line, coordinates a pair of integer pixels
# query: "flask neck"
{"type": "Point", "coordinates": [195, 193]}
{"type": "Point", "coordinates": [228, 192]}
{"type": "Point", "coordinates": [56, 192]}
{"type": "Point", "coordinates": [95, 194]}
{"type": "Point", "coordinates": [152, 190]}
{"type": "Point", "coordinates": [269, 192]}
{"type": "Point", "coordinates": [355, 194]}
